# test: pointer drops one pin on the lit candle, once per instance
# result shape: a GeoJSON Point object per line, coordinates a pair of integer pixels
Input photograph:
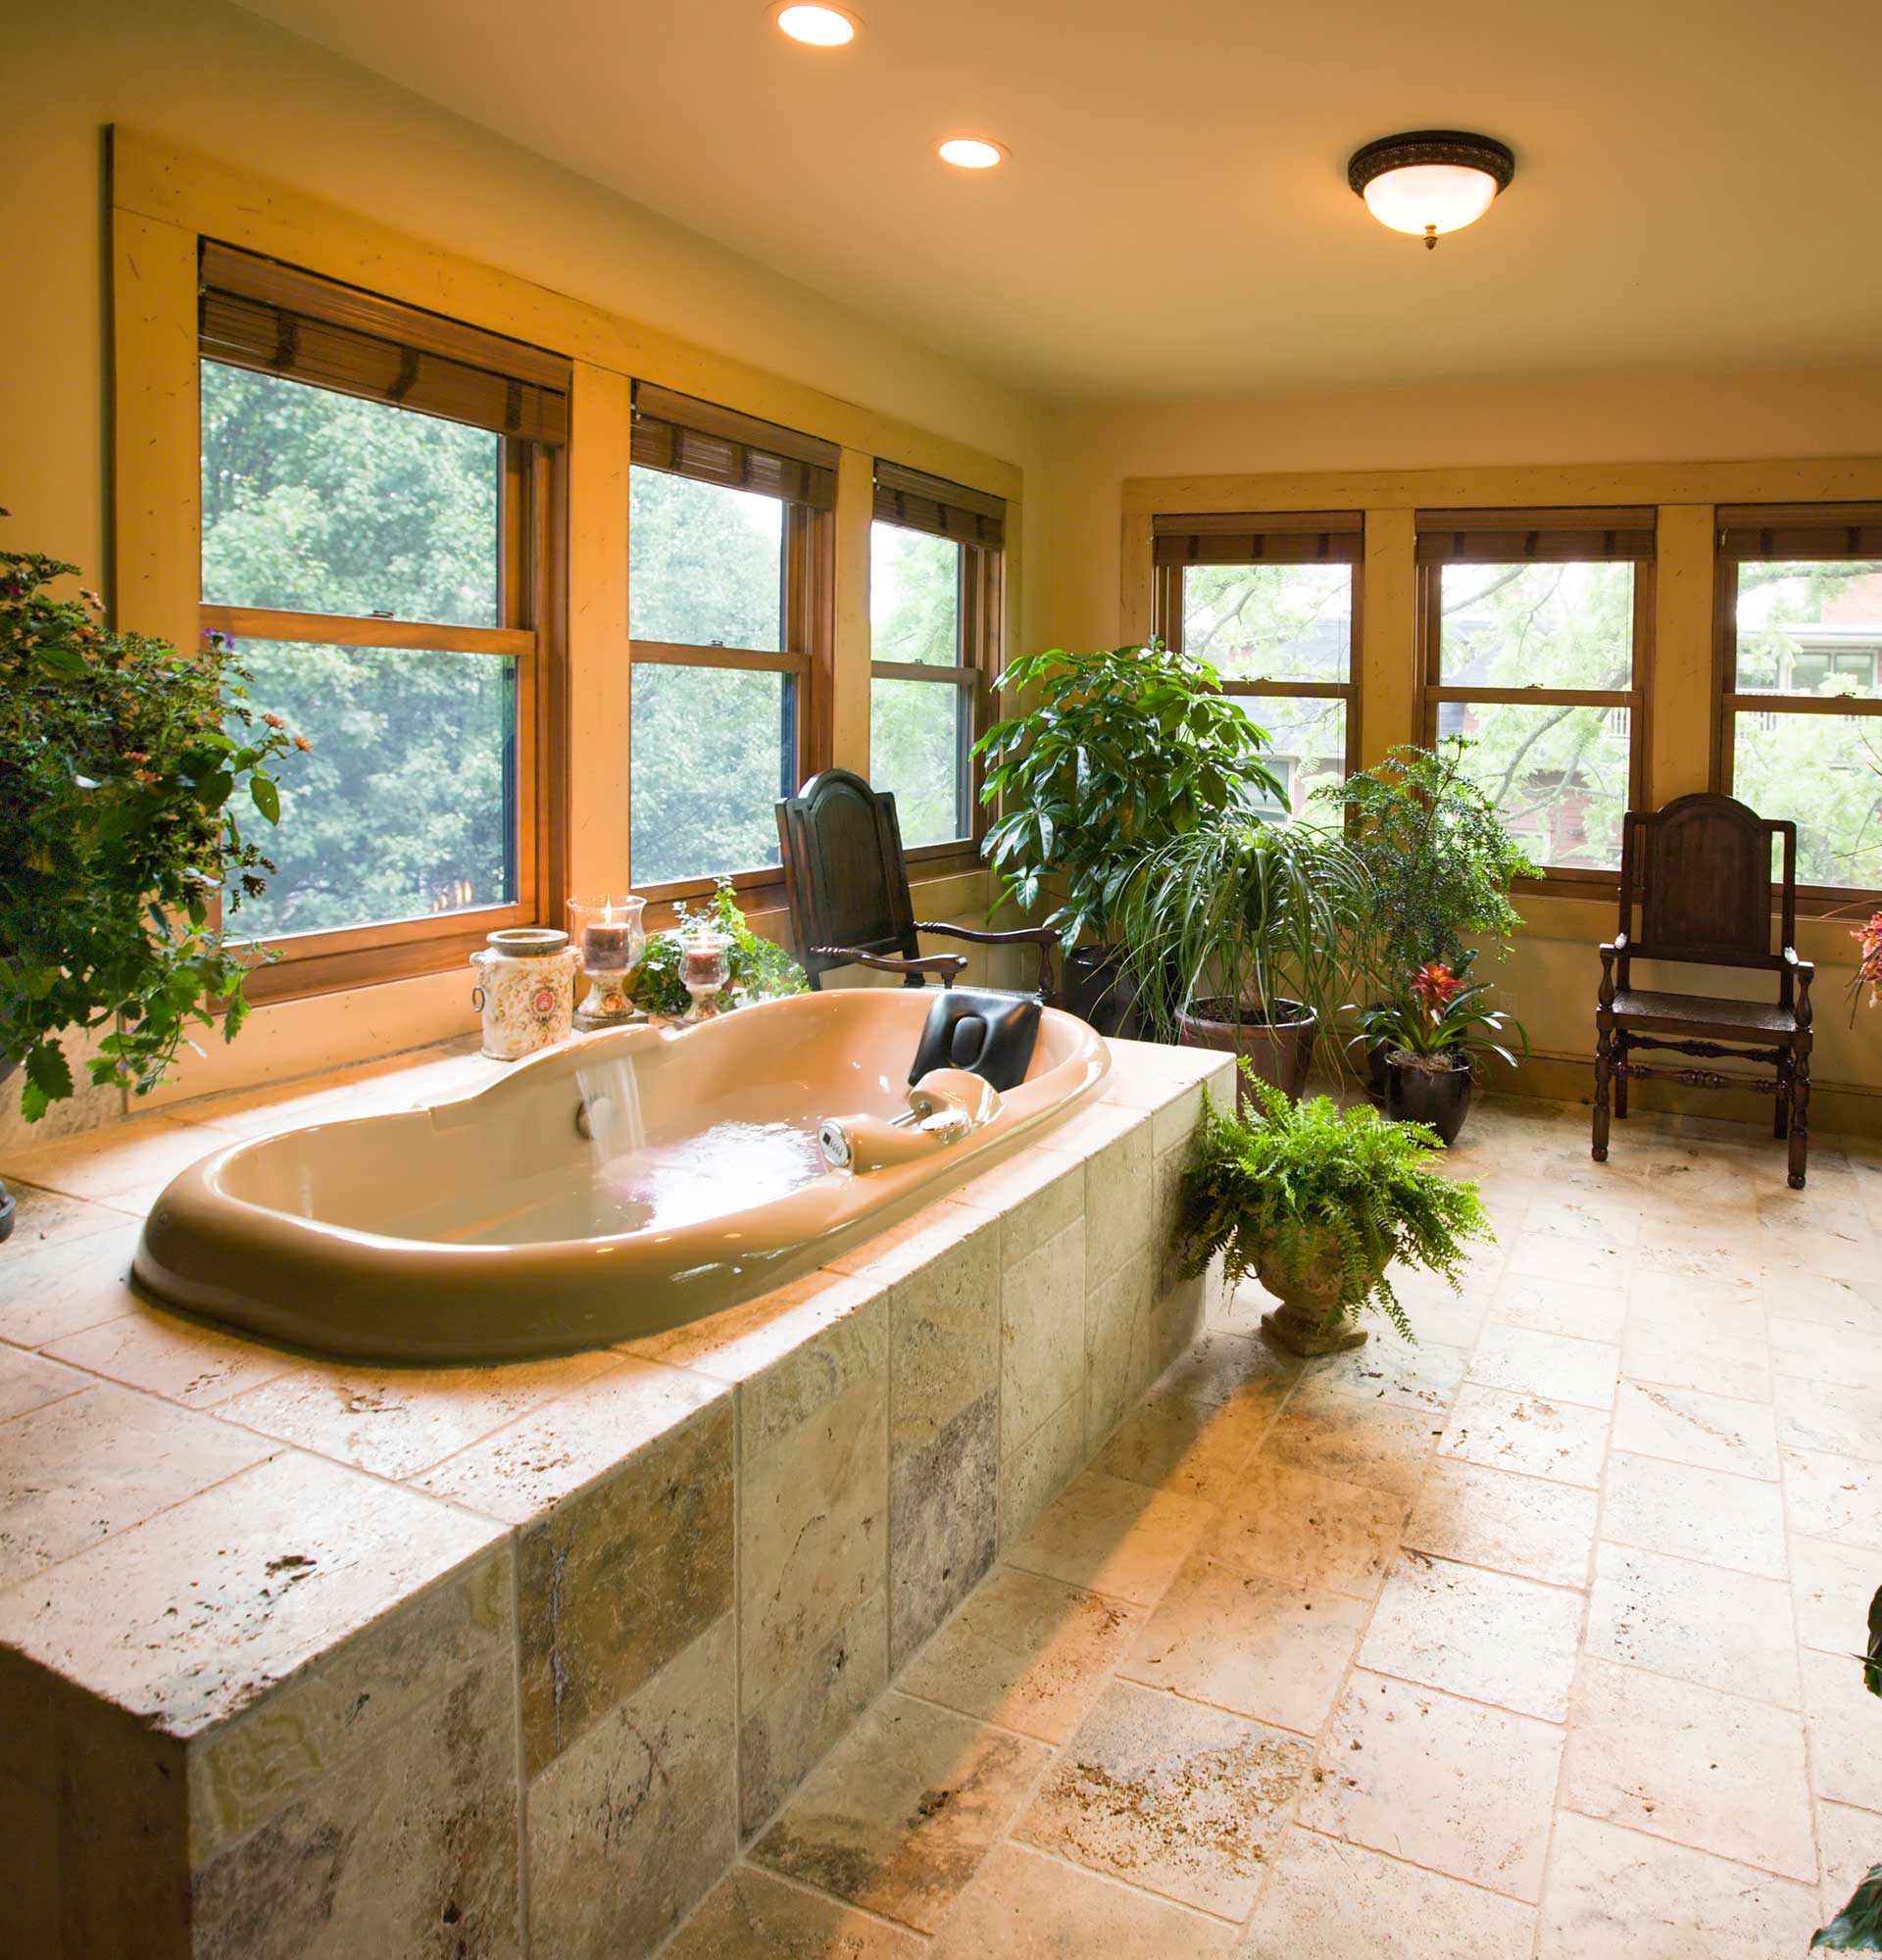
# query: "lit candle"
{"type": "Point", "coordinates": [605, 944]}
{"type": "Point", "coordinates": [705, 962]}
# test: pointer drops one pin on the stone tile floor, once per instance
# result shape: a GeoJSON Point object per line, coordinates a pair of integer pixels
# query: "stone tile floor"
{"type": "Point", "coordinates": [1529, 1639]}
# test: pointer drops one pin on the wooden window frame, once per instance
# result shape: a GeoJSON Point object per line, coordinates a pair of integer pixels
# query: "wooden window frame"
{"type": "Point", "coordinates": [808, 571]}
{"type": "Point", "coordinates": [1167, 596]}
{"type": "Point", "coordinates": [981, 610]}
{"type": "Point", "coordinates": [533, 583]}
{"type": "Point", "coordinates": [1790, 533]}
{"type": "Point", "coordinates": [1545, 536]}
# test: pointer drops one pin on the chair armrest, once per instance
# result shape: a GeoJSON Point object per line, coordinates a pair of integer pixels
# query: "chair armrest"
{"type": "Point", "coordinates": [1802, 970]}
{"type": "Point", "coordinates": [948, 965]}
{"type": "Point", "coordinates": [1044, 937]}
{"type": "Point", "coordinates": [1615, 950]}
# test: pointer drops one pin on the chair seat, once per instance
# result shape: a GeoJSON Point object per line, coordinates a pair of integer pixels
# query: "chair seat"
{"type": "Point", "coordinates": [1703, 1010]}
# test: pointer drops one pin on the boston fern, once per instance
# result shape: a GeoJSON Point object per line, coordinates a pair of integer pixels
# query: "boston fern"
{"type": "Point", "coordinates": [120, 761]}
{"type": "Point", "coordinates": [1122, 751]}
{"type": "Point", "coordinates": [1304, 1179]}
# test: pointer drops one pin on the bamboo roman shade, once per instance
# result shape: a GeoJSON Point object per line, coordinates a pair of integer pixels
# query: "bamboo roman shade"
{"type": "Point", "coordinates": [921, 503]}
{"type": "Point", "coordinates": [1549, 537]}
{"type": "Point", "coordinates": [715, 445]}
{"type": "Point", "coordinates": [1293, 537]}
{"type": "Point", "coordinates": [1801, 530]}
{"type": "Point", "coordinates": [274, 320]}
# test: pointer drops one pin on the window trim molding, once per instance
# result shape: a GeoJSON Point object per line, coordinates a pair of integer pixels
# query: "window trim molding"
{"type": "Point", "coordinates": [981, 644]}
{"type": "Point", "coordinates": [1166, 599]}
{"type": "Point", "coordinates": [1827, 520]}
{"type": "Point", "coordinates": [1431, 691]}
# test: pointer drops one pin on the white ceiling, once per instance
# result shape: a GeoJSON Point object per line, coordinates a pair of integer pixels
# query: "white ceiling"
{"type": "Point", "coordinates": [1697, 180]}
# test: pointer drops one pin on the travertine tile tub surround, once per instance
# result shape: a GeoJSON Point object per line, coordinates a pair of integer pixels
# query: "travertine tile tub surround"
{"type": "Point", "coordinates": [303, 1658]}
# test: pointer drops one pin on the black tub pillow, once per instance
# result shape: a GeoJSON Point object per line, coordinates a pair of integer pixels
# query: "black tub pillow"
{"type": "Point", "coordinates": [990, 1035]}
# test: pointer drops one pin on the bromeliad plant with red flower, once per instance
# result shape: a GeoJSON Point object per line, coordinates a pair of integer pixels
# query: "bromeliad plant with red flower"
{"type": "Point", "coordinates": [1439, 1022]}
{"type": "Point", "coordinates": [1869, 962]}
{"type": "Point", "coordinates": [121, 761]}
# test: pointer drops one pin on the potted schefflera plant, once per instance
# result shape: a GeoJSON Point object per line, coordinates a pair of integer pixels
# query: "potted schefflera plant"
{"type": "Point", "coordinates": [1117, 754]}
{"type": "Point", "coordinates": [1318, 1204]}
{"type": "Point", "coordinates": [1429, 1040]}
{"type": "Point", "coordinates": [120, 764]}
{"type": "Point", "coordinates": [1241, 936]}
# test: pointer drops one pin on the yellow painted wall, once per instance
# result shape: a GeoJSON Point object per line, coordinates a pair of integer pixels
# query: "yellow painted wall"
{"type": "Point", "coordinates": [1681, 443]}
{"type": "Point", "coordinates": [648, 297]}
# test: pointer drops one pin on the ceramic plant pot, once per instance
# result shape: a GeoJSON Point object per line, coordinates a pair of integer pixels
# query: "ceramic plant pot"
{"type": "Point", "coordinates": [1280, 1048]}
{"type": "Point", "coordinates": [7, 1206]}
{"type": "Point", "coordinates": [1299, 1325]}
{"type": "Point", "coordinates": [1440, 1097]}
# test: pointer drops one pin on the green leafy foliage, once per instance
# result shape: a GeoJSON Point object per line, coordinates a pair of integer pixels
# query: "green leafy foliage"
{"type": "Point", "coordinates": [1245, 911]}
{"type": "Point", "coordinates": [760, 968]}
{"type": "Point", "coordinates": [1297, 1181]}
{"type": "Point", "coordinates": [1441, 859]}
{"type": "Point", "coordinates": [1439, 1015]}
{"type": "Point", "coordinates": [1122, 751]}
{"type": "Point", "coordinates": [1857, 1928]}
{"type": "Point", "coordinates": [119, 759]}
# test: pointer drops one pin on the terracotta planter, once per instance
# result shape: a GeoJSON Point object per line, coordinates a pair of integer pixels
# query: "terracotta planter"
{"type": "Point", "coordinates": [1282, 1049]}
{"type": "Point", "coordinates": [1299, 1325]}
{"type": "Point", "coordinates": [1440, 1097]}
{"type": "Point", "coordinates": [7, 1207]}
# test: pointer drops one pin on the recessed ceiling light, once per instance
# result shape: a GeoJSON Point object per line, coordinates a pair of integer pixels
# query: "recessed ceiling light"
{"type": "Point", "coordinates": [1430, 182]}
{"type": "Point", "coordinates": [818, 26]}
{"type": "Point", "coordinates": [970, 153]}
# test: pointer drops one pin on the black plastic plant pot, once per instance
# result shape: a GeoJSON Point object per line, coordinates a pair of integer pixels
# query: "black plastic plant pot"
{"type": "Point", "coordinates": [1098, 990]}
{"type": "Point", "coordinates": [1439, 1097]}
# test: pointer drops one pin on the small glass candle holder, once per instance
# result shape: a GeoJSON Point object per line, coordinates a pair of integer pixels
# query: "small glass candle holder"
{"type": "Point", "coordinates": [608, 936]}
{"type": "Point", "coordinates": [704, 966]}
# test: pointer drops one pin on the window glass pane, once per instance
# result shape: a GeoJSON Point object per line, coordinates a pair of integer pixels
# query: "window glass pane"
{"type": "Point", "coordinates": [914, 597]}
{"type": "Point", "coordinates": [1809, 628]}
{"type": "Point", "coordinates": [1537, 625]}
{"type": "Point", "coordinates": [1308, 741]}
{"type": "Point", "coordinates": [405, 805]}
{"type": "Point", "coordinates": [314, 501]}
{"type": "Point", "coordinates": [1270, 622]}
{"type": "Point", "coordinates": [714, 749]}
{"type": "Point", "coordinates": [704, 564]}
{"type": "Point", "coordinates": [1825, 772]}
{"type": "Point", "coordinates": [1559, 775]}
{"type": "Point", "coordinates": [918, 745]}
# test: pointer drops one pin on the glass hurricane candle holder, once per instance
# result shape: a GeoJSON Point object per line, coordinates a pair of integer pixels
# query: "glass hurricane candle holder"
{"type": "Point", "coordinates": [609, 937]}
{"type": "Point", "coordinates": [704, 966]}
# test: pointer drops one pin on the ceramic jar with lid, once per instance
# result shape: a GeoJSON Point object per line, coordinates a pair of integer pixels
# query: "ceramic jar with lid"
{"type": "Point", "coordinates": [526, 990]}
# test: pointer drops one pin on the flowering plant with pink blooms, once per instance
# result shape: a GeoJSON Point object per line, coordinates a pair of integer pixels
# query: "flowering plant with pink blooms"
{"type": "Point", "coordinates": [121, 761]}
{"type": "Point", "coordinates": [1869, 962]}
{"type": "Point", "coordinates": [1439, 1021]}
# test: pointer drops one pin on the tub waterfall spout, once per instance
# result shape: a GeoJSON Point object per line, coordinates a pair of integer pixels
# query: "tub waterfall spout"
{"type": "Point", "coordinates": [946, 1106]}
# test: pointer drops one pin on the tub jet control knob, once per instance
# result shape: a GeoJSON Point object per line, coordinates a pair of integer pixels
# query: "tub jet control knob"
{"type": "Point", "coordinates": [833, 1139]}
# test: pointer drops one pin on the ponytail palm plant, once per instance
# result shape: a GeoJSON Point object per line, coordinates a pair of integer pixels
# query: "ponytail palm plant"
{"type": "Point", "coordinates": [1246, 921]}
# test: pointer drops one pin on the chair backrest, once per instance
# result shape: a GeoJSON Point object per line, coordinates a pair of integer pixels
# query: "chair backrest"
{"type": "Point", "coordinates": [1700, 870]}
{"type": "Point", "coordinates": [844, 872]}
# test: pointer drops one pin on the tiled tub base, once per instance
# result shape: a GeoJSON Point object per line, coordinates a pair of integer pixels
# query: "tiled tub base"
{"type": "Point", "coordinates": [297, 1659]}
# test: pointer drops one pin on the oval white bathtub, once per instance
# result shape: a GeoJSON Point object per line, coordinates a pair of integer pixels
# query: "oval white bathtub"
{"type": "Point", "coordinates": [492, 1227]}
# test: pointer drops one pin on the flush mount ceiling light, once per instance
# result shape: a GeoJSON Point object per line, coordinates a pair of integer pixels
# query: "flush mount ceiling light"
{"type": "Point", "coordinates": [1429, 181]}
{"type": "Point", "coordinates": [817, 26]}
{"type": "Point", "coordinates": [970, 153]}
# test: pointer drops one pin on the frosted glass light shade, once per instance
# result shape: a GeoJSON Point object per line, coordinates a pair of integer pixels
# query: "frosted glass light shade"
{"type": "Point", "coordinates": [1430, 197]}
{"type": "Point", "coordinates": [1429, 181]}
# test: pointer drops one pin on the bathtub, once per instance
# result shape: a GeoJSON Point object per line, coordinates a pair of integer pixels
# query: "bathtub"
{"type": "Point", "coordinates": [624, 1182]}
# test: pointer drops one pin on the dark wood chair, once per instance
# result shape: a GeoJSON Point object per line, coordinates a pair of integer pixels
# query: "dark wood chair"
{"type": "Point", "coordinates": [1699, 872]}
{"type": "Point", "coordinates": [848, 886]}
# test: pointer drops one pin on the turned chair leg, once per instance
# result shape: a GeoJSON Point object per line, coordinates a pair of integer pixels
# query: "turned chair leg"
{"type": "Point", "coordinates": [1604, 1059]}
{"type": "Point", "coordinates": [1800, 1119]}
{"type": "Point", "coordinates": [1619, 1065]}
{"type": "Point", "coordinates": [1781, 1119]}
